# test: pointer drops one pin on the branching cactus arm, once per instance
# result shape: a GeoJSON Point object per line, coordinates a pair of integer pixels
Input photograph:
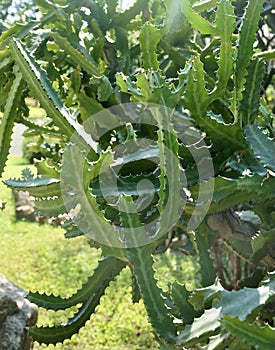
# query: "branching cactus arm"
{"type": "Point", "coordinates": [209, 83]}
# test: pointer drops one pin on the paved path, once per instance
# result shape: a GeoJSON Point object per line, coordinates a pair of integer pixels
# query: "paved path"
{"type": "Point", "coordinates": [16, 145]}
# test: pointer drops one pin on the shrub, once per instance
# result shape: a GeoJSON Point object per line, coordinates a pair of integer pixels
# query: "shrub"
{"type": "Point", "coordinates": [168, 141]}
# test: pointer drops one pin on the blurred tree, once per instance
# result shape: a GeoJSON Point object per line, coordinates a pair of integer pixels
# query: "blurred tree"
{"type": "Point", "coordinates": [15, 10]}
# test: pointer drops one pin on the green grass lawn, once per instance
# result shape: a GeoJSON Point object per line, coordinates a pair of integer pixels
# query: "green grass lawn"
{"type": "Point", "coordinates": [37, 257]}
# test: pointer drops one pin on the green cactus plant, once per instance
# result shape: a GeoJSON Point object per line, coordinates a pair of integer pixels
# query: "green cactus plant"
{"type": "Point", "coordinates": [177, 95]}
